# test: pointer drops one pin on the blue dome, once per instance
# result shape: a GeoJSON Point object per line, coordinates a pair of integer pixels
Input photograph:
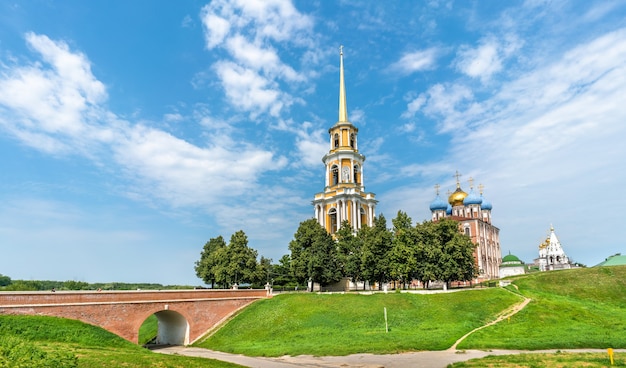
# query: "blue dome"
{"type": "Point", "coordinates": [472, 198]}
{"type": "Point", "coordinates": [449, 210]}
{"type": "Point", "coordinates": [438, 204]}
{"type": "Point", "coordinates": [486, 205]}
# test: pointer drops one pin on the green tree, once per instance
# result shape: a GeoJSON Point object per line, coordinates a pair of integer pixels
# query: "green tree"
{"type": "Point", "coordinates": [314, 254]}
{"type": "Point", "coordinates": [457, 261]}
{"type": "Point", "coordinates": [402, 256]}
{"type": "Point", "coordinates": [427, 253]}
{"type": "Point", "coordinates": [264, 272]}
{"type": "Point", "coordinates": [209, 259]}
{"type": "Point", "coordinates": [281, 272]}
{"type": "Point", "coordinates": [349, 252]}
{"type": "Point", "coordinates": [242, 264]}
{"type": "Point", "coordinates": [376, 244]}
{"type": "Point", "coordinates": [4, 280]}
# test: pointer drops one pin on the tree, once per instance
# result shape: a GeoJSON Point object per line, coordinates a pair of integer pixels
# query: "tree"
{"type": "Point", "coordinates": [241, 265]}
{"type": "Point", "coordinates": [349, 252]}
{"type": "Point", "coordinates": [427, 252]}
{"type": "Point", "coordinates": [264, 271]}
{"type": "Point", "coordinates": [209, 259]}
{"type": "Point", "coordinates": [457, 262]}
{"type": "Point", "coordinates": [402, 260]}
{"type": "Point", "coordinates": [376, 243]}
{"type": "Point", "coordinates": [314, 254]}
{"type": "Point", "coordinates": [281, 272]}
{"type": "Point", "coordinates": [4, 280]}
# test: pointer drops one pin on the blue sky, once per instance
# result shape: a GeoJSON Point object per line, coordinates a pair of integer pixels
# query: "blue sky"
{"type": "Point", "coordinates": [132, 132]}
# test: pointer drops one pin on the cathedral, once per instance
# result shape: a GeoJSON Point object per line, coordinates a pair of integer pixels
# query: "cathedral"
{"type": "Point", "coordinates": [344, 197]}
{"type": "Point", "coordinates": [473, 213]}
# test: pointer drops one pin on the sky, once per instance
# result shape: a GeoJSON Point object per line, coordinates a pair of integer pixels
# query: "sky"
{"type": "Point", "coordinates": [132, 132]}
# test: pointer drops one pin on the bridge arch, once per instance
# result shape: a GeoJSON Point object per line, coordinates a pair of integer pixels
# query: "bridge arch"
{"type": "Point", "coordinates": [173, 328]}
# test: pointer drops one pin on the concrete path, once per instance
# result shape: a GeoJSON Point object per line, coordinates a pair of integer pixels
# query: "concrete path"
{"type": "Point", "coordinates": [422, 359]}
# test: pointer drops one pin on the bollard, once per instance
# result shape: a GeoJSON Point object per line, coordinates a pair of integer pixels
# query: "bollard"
{"type": "Point", "coordinates": [610, 351]}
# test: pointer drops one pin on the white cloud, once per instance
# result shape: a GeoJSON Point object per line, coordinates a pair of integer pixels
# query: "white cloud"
{"type": "Point", "coordinates": [487, 58]}
{"type": "Point", "coordinates": [415, 61]}
{"type": "Point", "coordinates": [311, 146]}
{"type": "Point", "coordinates": [246, 89]}
{"type": "Point", "coordinates": [247, 30]}
{"type": "Point", "coordinates": [56, 107]}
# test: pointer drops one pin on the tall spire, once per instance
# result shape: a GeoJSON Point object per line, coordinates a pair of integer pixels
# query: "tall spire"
{"type": "Point", "coordinates": [343, 106]}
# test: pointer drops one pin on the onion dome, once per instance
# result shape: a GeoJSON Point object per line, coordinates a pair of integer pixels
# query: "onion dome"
{"type": "Point", "coordinates": [472, 198]}
{"type": "Point", "coordinates": [485, 205]}
{"type": "Point", "coordinates": [438, 204]}
{"type": "Point", "coordinates": [457, 197]}
{"type": "Point", "coordinates": [449, 210]}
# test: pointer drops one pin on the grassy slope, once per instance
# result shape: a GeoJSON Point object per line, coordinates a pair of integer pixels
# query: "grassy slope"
{"type": "Point", "coordinates": [94, 346]}
{"type": "Point", "coordinates": [340, 324]}
{"type": "Point", "coordinates": [569, 309]}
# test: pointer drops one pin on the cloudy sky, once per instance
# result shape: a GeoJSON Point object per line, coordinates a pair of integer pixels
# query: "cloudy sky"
{"type": "Point", "coordinates": [133, 132]}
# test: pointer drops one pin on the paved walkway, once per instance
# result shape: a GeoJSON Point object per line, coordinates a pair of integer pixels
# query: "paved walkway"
{"type": "Point", "coordinates": [422, 359]}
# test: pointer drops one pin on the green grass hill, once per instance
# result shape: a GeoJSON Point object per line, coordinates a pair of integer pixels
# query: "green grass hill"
{"type": "Point", "coordinates": [569, 309]}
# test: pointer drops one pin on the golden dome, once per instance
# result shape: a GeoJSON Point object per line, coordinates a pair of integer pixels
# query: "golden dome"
{"type": "Point", "coordinates": [457, 197]}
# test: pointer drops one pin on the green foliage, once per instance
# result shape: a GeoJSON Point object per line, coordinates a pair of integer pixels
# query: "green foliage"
{"type": "Point", "coordinates": [569, 309]}
{"type": "Point", "coordinates": [4, 280]}
{"type": "Point", "coordinates": [210, 259]}
{"type": "Point", "coordinates": [227, 264]}
{"type": "Point", "coordinates": [376, 243]}
{"type": "Point", "coordinates": [314, 254]}
{"type": "Point", "coordinates": [340, 324]}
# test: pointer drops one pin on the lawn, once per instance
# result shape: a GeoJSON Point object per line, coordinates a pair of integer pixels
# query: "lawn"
{"type": "Point", "coordinates": [582, 308]}
{"type": "Point", "coordinates": [341, 324]}
{"type": "Point", "coordinates": [38, 341]}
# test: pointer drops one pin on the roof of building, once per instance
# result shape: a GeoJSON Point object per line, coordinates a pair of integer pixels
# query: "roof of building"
{"type": "Point", "coordinates": [511, 260]}
{"type": "Point", "coordinates": [614, 260]}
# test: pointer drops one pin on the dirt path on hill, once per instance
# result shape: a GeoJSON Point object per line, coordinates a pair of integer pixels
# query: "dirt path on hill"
{"type": "Point", "coordinates": [506, 314]}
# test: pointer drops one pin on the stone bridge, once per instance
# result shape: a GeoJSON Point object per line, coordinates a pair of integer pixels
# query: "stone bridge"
{"type": "Point", "coordinates": [183, 315]}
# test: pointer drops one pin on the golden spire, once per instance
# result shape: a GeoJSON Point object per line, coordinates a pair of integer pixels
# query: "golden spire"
{"type": "Point", "coordinates": [343, 106]}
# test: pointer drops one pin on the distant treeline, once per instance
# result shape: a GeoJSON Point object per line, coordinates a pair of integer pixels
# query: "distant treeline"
{"type": "Point", "coordinates": [6, 284]}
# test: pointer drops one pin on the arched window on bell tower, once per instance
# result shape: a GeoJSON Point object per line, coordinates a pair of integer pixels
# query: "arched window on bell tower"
{"type": "Point", "coordinates": [357, 175]}
{"type": "Point", "coordinates": [332, 214]}
{"type": "Point", "coordinates": [334, 172]}
{"type": "Point", "coordinates": [352, 140]}
{"type": "Point", "coordinates": [336, 140]}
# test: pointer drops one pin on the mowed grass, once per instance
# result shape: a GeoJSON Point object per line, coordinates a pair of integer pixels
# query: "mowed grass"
{"type": "Point", "coordinates": [341, 324]}
{"type": "Point", "coordinates": [555, 360]}
{"type": "Point", "coordinates": [38, 341]}
{"type": "Point", "coordinates": [581, 308]}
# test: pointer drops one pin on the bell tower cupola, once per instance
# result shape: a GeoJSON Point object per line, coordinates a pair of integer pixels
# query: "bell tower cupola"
{"type": "Point", "coordinates": [344, 197]}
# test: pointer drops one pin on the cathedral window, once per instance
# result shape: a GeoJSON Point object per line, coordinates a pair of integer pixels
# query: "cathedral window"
{"type": "Point", "coordinates": [332, 214]}
{"type": "Point", "coordinates": [356, 174]}
{"type": "Point", "coordinates": [467, 231]}
{"type": "Point", "coordinates": [335, 175]}
{"type": "Point", "coordinates": [336, 139]}
{"type": "Point", "coordinates": [352, 140]}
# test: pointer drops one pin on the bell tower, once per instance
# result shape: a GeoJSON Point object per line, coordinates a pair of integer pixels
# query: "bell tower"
{"type": "Point", "coordinates": [344, 197]}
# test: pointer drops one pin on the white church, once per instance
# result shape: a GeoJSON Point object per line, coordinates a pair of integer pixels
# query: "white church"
{"type": "Point", "coordinates": [551, 254]}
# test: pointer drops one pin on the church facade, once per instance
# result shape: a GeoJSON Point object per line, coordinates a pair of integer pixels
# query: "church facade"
{"type": "Point", "coordinates": [551, 254]}
{"type": "Point", "coordinates": [473, 213]}
{"type": "Point", "coordinates": [344, 197]}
